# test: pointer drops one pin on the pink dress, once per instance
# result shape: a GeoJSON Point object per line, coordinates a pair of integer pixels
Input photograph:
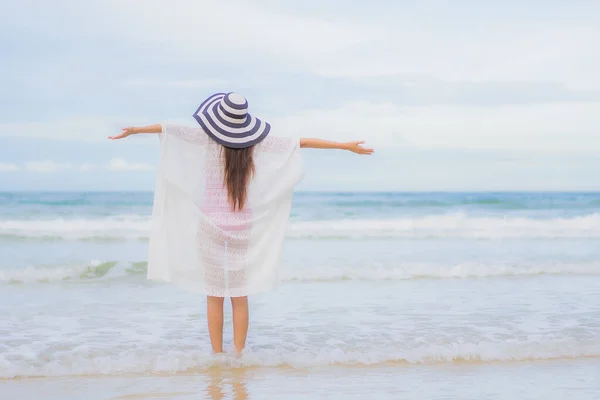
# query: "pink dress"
{"type": "Point", "coordinates": [197, 241]}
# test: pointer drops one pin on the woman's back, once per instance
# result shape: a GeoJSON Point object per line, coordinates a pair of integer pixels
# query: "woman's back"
{"type": "Point", "coordinates": [235, 253]}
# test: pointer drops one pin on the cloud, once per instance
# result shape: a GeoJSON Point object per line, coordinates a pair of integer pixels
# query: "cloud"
{"type": "Point", "coordinates": [81, 128]}
{"type": "Point", "coordinates": [8, 167]}
{"type": "Point", "coordinates": [183, 84]}
{"type": "Point", "coordinates": [296, 51]}
{"type": "Point", "coordinates": [192, 27]}
{"type": "Point", "coordinates": [398, 75]}
{"type": "Point", "coordinates": [47, 166]}
{"type": "Point", "coordinates": [533, 127]}
{"type": "Point", "coordinates": [556, 43]}
{"type": "Point", "coordinates": [529, 52]}
{"type": "Point", "coordinates": [87, 167]}
{"type": "Point", "coordinates": [452, 46]}
{"type": "Point", "coordinates": [117, 164]}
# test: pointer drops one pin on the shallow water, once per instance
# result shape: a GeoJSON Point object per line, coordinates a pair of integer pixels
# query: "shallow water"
{"type": "Point", "coordinates": [552, 380]}
{"type": "Point", "coordinates": [416, 296]}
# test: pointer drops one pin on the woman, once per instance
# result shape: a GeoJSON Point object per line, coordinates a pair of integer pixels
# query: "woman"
{"type": "Point", "coordinates": [222, 200]}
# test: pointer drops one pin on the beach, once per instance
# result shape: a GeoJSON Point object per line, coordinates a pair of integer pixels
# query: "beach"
{"type": "Point", "coordinates": [387, 295]}
{"type": "Point", "coordinates": [534, 380]}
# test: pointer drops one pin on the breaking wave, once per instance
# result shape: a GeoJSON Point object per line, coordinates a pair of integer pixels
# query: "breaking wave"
{"type": "Point", "coordinates": [457, 225]}
{"type": "Point", "coordinates": [114, 270]}
{"type": "Point", "coordinates": [84, 360]}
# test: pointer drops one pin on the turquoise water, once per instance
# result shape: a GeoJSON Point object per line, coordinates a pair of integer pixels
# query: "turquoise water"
{"type": "Point", "coordinates": [382, 282]}
{"type": "Point", "coordinates": [316, 205]}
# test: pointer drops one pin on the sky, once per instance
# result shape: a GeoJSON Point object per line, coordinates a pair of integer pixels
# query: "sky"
{"type": "Point", "coordinates": [453, 95]}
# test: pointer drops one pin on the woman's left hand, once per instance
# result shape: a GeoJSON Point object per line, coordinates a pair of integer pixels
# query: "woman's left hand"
{"type": "Point", "coordinates": [126, 132]}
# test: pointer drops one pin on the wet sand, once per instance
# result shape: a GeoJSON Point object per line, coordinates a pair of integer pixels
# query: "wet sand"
{"type": "Point", "coordinates": [555, 379]}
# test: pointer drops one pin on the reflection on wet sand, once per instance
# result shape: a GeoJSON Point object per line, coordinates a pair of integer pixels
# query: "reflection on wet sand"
{"type": "Point", "coordinates": [227, 384]}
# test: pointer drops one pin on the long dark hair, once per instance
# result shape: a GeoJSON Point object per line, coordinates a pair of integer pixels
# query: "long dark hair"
{"type": "Point", "coordinates": [239, 168]}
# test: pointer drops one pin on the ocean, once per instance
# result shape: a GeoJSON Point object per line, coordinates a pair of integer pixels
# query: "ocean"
{"type": "Point", "coordinates": [383, 295]}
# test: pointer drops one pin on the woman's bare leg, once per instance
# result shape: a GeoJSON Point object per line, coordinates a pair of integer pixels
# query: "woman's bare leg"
{"type": "Point", "coordinates": [214, 314]}
{"type": "Point", "coordinates": [239, 306]}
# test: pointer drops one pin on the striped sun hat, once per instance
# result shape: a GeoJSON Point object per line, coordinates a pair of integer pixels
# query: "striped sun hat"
{"type": "Point", "coordinates": [224, 117]}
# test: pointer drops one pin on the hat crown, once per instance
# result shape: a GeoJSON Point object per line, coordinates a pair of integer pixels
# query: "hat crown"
{"type": "Point", "coordinates": [224, 117]}
{"type": "Point", "coordinates": [234, 105]}
{"type": "Point", "coordinates": [237, 99]}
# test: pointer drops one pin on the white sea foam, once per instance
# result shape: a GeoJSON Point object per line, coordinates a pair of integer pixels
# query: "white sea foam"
{"type": "Point", "coordinates": [456, 225]}
{"type": "Point", "coordinates": [115, 270]}
{"type": "Point", "coordinates": [92, 270]}
{"type": "Point", "coordinates": [117, 227]}
{"type": "Point", "coordinates": [438, 271]}
{"type": "Point", "coordinates": [88, 360]}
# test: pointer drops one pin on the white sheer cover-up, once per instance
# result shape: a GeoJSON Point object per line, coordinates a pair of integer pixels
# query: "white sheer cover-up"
{"type": "Point", "coordinates": [196, 240]}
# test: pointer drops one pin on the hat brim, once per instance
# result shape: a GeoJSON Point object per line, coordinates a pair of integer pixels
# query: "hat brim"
{"type": "Point", "coordinates": [225, 132]}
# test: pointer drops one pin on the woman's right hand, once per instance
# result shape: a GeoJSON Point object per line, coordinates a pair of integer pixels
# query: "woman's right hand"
{"type": "Point", "coordinates": [130, 130]}
{"type": "Point", "coordinates": [354, 147]}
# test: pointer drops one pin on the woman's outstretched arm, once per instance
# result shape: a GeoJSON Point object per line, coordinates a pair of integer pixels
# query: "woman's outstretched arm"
{"type": "Point", "coordinates": [132, 130]}
{"type": "Point", "coordinates": [354, 147]}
